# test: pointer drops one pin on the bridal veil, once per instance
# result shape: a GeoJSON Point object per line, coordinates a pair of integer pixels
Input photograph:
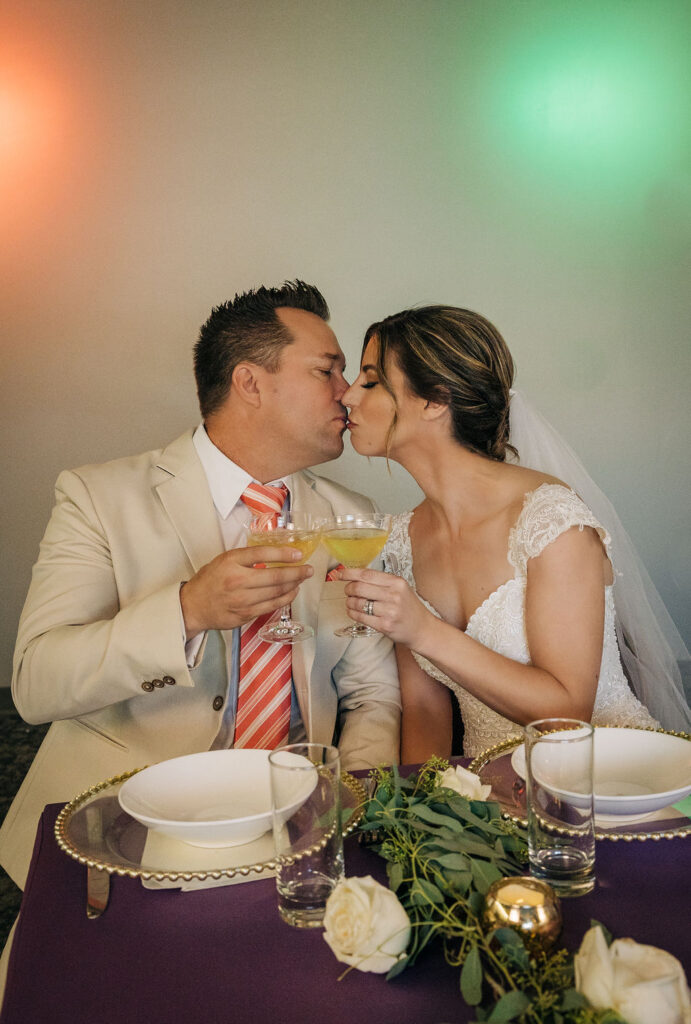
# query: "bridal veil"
{"type": "Point", "coordinates": [650, 645]}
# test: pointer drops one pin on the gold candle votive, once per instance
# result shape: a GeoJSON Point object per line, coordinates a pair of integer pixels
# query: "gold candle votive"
{"type": "Point", "coordinates": [527, 905]}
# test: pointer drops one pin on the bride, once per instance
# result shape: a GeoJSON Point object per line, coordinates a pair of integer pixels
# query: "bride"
{"type": "Point", "coordinates": [500, 588]}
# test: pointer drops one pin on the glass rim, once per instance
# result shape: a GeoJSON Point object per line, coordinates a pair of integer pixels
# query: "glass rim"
{"type": "Point", "coordinates": [553, 729]}
{"type": "Point", "coordinates": [376, 519]}
{"type": "Point", "coordinates": [264, 522]}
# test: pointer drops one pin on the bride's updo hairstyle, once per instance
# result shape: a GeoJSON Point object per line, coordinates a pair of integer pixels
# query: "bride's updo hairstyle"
{"type": "Point", "coordinates": [455, 357]}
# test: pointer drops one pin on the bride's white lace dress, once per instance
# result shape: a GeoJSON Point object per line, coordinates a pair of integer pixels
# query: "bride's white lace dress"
{"type": "Point", "coordinates": [499, 622]}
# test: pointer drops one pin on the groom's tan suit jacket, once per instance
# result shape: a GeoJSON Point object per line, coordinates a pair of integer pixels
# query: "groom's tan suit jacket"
{"type": "Point", "coordinates": [100, 650]}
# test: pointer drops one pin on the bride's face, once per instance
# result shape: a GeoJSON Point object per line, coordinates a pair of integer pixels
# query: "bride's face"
{"type": "Point", "coordinates": [371, 407]}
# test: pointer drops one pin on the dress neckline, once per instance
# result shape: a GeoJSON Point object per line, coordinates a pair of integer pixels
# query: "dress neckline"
{"type": "Point", "coordinates": [527, 498]}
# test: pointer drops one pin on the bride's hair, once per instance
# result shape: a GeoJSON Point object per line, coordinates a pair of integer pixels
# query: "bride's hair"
{"type": "Point", "coordinates": [455, 357]}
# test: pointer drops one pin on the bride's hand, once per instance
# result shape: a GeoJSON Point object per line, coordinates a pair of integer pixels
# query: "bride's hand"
{"type": "Point", "coordinates": [395, 609]}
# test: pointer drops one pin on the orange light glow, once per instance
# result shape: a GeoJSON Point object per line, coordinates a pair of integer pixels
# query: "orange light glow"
{"type": "Point", "coordinates": [30, 119]}
{"type": "Point", "coordinates": [13, 124]}
{"type": "Point", "coordinates": [37, 138]}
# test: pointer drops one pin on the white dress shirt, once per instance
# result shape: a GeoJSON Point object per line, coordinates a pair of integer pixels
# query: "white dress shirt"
{"type": "Point", "coordinates": [227, 483]}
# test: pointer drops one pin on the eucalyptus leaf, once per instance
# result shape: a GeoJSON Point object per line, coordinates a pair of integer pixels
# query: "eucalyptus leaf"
{"type": "Point", "coordinates": [397, 968]}
{"type": "Point", "coordinates": [423, 891]}
{"type": "Point", "coordinates": [476, 902]}
{"type": "Point", "coordinates": [430, 816]}
{"type": "Point", "coordinates": [483, 875]}
{"type": "Point", "coordinates": [507, 937]}
{"type": "Point", "coordinates": [573, 1000]}
{"type": "Point", "coordinates": [459, 881]}
{"type": "Point", "coordinates": [513, 947]}
{"type": "Point", "coordinates": [471, 978]}
{"type": "Point", "coordinates": [395, 873]}
{"type": "Point", "coordinates": [462, 809]}
{"type": "Point", "coordinates": [445, 842]}
{"type": "Point", "coordinates": [510, 1006]}
{"type": "Point", "coordinates": [454, 861]}
{"type": "Point", "coordinates": [475, 845]}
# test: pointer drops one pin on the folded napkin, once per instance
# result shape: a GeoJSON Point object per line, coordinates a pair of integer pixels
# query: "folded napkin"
{"type": "Point", "coordinates": [171, 855]}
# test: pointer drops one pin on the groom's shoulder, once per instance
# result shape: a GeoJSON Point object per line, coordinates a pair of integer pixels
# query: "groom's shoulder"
{"type": "Point", "coordinates": [162, 462]}
{"type": "Point", "coordinates": [340, 497]}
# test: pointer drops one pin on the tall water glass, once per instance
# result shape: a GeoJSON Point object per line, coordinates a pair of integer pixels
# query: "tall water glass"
{"type": "Point", "coordinates": [306, 798]}
{"type": "Point", "coordinates": [559, 777]}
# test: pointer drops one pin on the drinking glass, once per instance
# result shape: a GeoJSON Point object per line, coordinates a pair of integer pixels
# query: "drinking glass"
{"type": "Point", "coordinates": [559, 778]}
{"type": "Point", "coordinates": [356, 540]}
{"type": "Point", "coordinates": [287, 529]}
{"type": "Point", "coordinates": [306, 802]}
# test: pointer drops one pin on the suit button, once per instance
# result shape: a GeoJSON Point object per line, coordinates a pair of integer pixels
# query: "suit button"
{"type": "Point", "coordinates": [169, 680]}
{"type": "Point", "coordinates": [218, 703]}
{"type": "Point", "coordinates": [147, 686]}
{"type": "Point", "coordinates": [158, 683]}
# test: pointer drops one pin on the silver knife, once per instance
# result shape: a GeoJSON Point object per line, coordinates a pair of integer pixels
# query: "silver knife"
{"type": "Point", "coordinates": [97, 891]}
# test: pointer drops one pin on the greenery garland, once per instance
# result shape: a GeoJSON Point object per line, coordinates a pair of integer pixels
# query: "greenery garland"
{"type": "Point", "coordinates": [443, 852]}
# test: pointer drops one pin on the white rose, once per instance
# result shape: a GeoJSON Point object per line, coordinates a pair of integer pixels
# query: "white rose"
{"type": "Point", "coordinates": [460, 780]}
{"type": "Point", "coordinates": [365, 925]}
{"type": "Point", "coordinates": [642, 983]}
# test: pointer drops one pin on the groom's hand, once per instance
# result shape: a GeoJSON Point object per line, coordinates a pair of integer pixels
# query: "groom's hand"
{"type": "Point", "coordinates": [232, 589]}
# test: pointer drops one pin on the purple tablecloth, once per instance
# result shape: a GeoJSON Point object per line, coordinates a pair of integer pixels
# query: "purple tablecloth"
{"type": "Point", "coordinates": [223, 955]}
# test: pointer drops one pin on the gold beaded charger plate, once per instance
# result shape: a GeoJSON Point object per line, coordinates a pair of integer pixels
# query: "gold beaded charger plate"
{"type": "Point", "coordinates": [94, 829]}
{"type": "Point", "coordinates": [494, 768]}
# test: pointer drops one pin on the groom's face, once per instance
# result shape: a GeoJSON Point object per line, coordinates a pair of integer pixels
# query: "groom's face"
{"type": "Point", "coordinates": [307, 417]}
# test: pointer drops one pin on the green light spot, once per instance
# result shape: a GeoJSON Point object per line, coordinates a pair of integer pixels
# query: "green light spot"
{"type": "Point", "coordinates": [593, 104]}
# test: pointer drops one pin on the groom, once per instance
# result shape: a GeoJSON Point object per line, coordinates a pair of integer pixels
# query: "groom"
{"type": "Point", "coordinates": [130, 638]}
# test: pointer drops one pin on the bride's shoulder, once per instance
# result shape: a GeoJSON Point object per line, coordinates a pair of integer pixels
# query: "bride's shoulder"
{"type": "Point", "coordinates": [532, 493]}
{"type": "Point", "coordinates": [547, 511]}
{"type": "Point", "coordinates": [527, 481]}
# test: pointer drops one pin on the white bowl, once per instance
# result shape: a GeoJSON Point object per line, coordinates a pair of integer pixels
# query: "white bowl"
{"type": "Point", "coordinates": [635, 772]}
{"type": "Point", "coordinates": [215, 798]}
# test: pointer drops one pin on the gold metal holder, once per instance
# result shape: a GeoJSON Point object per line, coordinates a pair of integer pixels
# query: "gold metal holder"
{"type": "Point", "coordinates": [90, 828]}
{"type": "Point", "coordinates": [529, 906]}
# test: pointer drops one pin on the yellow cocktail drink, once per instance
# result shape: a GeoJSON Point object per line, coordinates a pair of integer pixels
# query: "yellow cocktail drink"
{"type": "Point", "coordinates": [305, 541]}
{"type": "Point", "coordinates": [356, 540]}
{"type": "Point", "coordinates": [355, 547]}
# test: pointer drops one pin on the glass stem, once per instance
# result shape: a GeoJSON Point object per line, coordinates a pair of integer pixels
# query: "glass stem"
{"type": "Point", "coordinates": [285, 615]}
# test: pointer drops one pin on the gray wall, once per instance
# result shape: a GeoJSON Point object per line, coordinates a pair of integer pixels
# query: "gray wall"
{"type": "Point", "coordinates": [529, 160]}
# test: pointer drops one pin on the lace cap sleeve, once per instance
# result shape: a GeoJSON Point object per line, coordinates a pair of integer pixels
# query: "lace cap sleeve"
{"type": "Point", "coordinates": [548, 512]}
{"type": "Point", "coordinates": [398, 555]}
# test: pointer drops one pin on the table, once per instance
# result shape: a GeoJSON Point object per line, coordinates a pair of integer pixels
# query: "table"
{"type": "Point", "coordinates": [223, 956]}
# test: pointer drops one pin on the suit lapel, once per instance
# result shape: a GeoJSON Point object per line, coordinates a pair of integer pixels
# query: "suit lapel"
{"type": "Point", "coordinates": [184, 493]}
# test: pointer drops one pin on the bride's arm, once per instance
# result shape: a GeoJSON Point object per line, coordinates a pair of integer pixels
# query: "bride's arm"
{"type": "Point", "coordinates": [564, 619]}
{"type": "Point", "coordinates": [427, 717]}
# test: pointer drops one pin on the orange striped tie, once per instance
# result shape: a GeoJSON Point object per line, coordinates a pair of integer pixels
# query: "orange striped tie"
{"type": "Point", "coordinates": [264, 694]}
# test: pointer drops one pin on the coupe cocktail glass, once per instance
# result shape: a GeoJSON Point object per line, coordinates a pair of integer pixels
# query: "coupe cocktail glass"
{"type": "Point", "coordinates": [356, 540]}
{"type": "Point", "coordinates": [287, 529]}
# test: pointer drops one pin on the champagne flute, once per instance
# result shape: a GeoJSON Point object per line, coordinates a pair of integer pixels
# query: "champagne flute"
{"type": "Point", "coordinates": [287, 529]}
{"type": "Point", "coordinates": [356, 540]}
